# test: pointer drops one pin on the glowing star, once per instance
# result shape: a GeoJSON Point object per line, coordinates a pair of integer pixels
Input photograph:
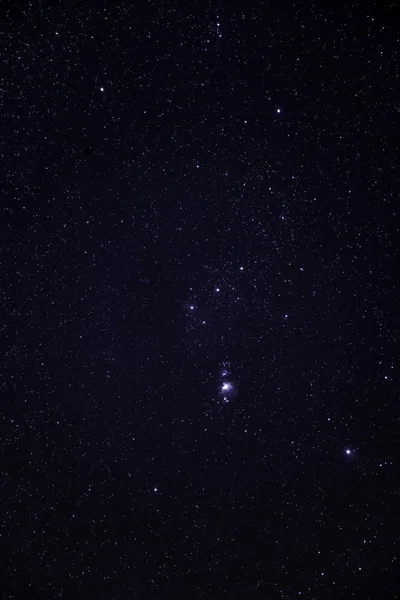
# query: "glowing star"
{"type": "Point", "coordinates": [226, 386]}
{"type": "Point", "coordinates": [278, 110]}
{"type": "Point", "coordinates": [348, 451]}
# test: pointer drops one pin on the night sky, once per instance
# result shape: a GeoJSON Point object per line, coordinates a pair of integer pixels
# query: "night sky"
{"type": "Point", "coordinates": [199, 307]}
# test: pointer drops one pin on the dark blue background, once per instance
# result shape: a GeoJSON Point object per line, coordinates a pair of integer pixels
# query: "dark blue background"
{"type": "Point", "coordinates": [122, 208]}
